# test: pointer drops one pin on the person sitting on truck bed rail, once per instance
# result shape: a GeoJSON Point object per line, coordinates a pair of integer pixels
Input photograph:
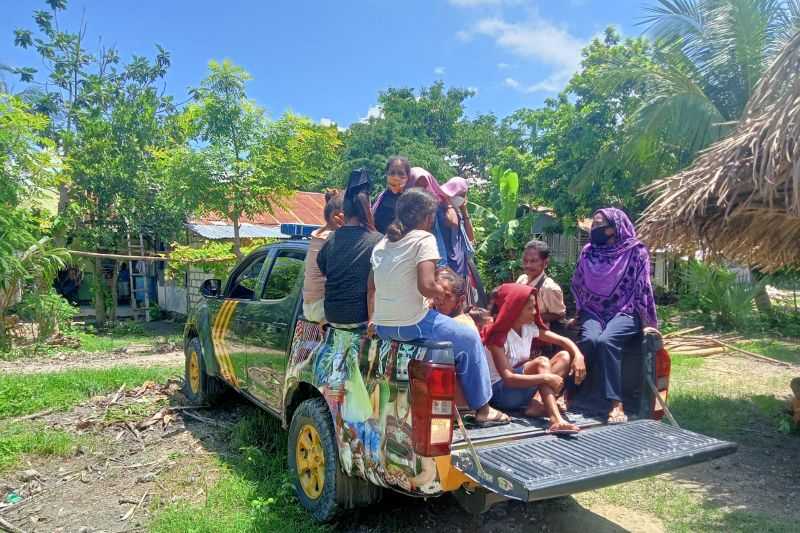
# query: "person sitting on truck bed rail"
{"type": "Point", "coordinates": [344, 260]}
{"type": "Point", "coordinates": [313, 279]}
{"type": "Point", "coordinates": [398, 172]}
{"type": "Point", "coordinates": [403, 266]}
{"type": "Point", "coordinates": [614, 300]}
{"type": "Point", "coordinates": [516, 379]}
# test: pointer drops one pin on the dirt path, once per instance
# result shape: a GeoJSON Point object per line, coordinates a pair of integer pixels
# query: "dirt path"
{"type": "Point", "coordinates": [90, 360]}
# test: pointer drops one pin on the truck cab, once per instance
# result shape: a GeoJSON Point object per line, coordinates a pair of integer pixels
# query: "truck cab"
{"type": "Point", "coordinates": [365, 415]}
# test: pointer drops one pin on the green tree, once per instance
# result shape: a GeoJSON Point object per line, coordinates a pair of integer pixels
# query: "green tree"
{"type": "Point", "coordinates": [115, 189]}
{"type": "Point", "coordinates": [28, 259]}
{"type": "Point", "coordinates": [240, 163]}
{"type": "Point", "coordinates": [709, 55]}
{"type": "Point", "coordinates": [68, 64]}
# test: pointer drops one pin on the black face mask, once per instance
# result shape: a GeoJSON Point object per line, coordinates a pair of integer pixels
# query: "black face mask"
{"type": "Point", "coordinates": [598, 235]}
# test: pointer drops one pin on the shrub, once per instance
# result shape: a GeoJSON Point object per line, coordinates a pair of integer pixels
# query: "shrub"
{"type": "Point", "coordinates": [714, 290]}
{"type": "Point", "coordinates": [48, 310]}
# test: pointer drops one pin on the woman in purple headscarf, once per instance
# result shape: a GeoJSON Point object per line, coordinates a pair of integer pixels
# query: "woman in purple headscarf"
{"type": "Point", "coordinates": [614, 300]}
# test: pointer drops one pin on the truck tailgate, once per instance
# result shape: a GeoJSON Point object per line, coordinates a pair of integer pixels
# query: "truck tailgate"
{"type": "Point", "coordinates": [547, 466]}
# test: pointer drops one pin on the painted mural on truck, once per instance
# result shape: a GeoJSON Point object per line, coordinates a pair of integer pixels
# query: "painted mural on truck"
{"type": "Point", "coordinates": [365, 384]}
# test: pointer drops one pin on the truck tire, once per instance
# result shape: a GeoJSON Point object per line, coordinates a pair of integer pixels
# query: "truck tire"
{"type": "Point", "coordinates": [198, 386]}
{"type": "Point", "coordinates": [314, 459]}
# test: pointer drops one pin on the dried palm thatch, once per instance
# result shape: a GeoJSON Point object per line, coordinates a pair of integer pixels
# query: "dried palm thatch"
{"type": "Point", "coordinates": [741, 197]}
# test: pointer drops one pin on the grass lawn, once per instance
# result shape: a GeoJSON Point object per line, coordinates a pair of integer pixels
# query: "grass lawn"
{"type": "Point", "coordinates": [23, 394]}
{"type": "Point", "coordinates": [147, 334]}
{"type": "Point", "coordinates": [252, 491]}
{"type": "Point", "coordinates": [17, 439]}
{"type": "Point", "coordinates": [777, 349]}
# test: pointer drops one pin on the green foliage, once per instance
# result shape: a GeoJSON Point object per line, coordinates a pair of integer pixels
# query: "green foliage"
{"type": "Point", "coordinates": [214, 257]}
{"type": "Point", "coordinates": [714, 290]}
{"type": "Point", "coordinates": [22, 394]}
{"type": "Point", "coordinates": [18, 439]}
{"type": "Point", "coordinates": [48, 310]}
{"type": "Point", "coordinates": [244, 165]}
{"type": "Point", "coordinates": [253, 492]}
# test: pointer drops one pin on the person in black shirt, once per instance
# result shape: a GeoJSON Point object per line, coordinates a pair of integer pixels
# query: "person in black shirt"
{"type": "Point", "coordinates": [398, 172]}
{"type": "Point", "coordinates": [345, 261]}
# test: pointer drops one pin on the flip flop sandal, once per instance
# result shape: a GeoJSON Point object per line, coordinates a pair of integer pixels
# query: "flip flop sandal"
{"type": "Point", "coordinates": [615, 420]}
{"type": "Point", "coordinates": [491, 422]}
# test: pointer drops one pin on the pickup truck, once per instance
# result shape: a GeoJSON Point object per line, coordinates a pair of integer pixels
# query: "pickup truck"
{"type": "Point", "coordinates": [365, 415]}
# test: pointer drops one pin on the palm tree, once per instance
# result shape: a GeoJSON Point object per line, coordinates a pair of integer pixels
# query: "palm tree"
{"type": "Point", "coordinates": [708, 55]}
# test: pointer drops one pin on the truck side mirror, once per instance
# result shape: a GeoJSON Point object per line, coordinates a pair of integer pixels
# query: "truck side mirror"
{"type": "Point", "coordinates": [211, 288]}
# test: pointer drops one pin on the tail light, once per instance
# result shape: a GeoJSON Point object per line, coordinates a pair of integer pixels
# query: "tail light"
{"type": "Point", "coordinates": [663, 367]}
{"type": "Point", "coordinates": [432, 390]}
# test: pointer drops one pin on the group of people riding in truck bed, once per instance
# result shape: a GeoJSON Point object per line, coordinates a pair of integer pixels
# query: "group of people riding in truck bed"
{"type": "Point", "coordinates": [403, 268]}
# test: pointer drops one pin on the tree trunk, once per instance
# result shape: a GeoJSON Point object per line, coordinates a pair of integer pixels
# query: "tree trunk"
{"type": "Point", "coordinates": [237, 243]}
{"type": "Point", "coordinates": [99, 294]}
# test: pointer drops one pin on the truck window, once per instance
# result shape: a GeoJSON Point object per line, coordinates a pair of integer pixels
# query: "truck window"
{"type": "Point", "coordinates": [244, 287]}
{"type": "Point", "coordinates": [283, 277]}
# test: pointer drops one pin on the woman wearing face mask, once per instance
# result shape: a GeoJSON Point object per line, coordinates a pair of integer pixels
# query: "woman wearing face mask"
{"type": "Point", "coordinates": [398, 172]}
{"type": "Point", "coordinates": [614, 301]}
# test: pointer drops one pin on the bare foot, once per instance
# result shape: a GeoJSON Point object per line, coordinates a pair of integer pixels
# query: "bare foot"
{"type": "Point", "coordinates": [490, 415]}
{"type": "Point", "coordinates": [562, 426]}
{"type": "Point", "coordinates": [617, 414]}
{"type": "Point", "coordinates": [561, 402]}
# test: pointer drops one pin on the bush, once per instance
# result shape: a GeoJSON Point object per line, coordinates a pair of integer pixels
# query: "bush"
{"type": "Point", "coordinates": [48, 310]}
{"type": "Point", "coordinates": [715, 291]}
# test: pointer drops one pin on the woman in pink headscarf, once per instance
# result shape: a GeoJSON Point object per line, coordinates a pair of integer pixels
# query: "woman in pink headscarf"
{"type": "Point", "coordinates": [453, 228]}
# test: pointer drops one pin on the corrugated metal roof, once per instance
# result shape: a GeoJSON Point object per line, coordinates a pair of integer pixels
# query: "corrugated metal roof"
{"type": "Point", "coordinates": [221, 230]}
{"type": "Point", "coordinates": [300, 208]}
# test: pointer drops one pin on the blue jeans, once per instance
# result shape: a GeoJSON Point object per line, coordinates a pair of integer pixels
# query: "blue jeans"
{"type": "Point", "coordinates": [603, 350]}
{"type": "Point", "coordinates": [472, 370]}
{"type": "Point", "coordinates": [508, 398]}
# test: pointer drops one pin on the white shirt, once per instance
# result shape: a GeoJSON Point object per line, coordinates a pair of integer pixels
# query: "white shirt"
{"type": "Point", "coordinates": [398, 301]}
{"type": "Point", "coordinates": [517, 348]}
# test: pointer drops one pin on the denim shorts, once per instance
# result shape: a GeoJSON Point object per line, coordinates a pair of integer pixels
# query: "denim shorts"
{"type": "Point", "coordinates": [511, 398]}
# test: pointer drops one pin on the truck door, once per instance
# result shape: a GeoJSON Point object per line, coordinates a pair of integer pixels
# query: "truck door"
{"type": "Point", "coordinates": [229, 331]}
{"type": "Point", "coordinates": [272, 315]}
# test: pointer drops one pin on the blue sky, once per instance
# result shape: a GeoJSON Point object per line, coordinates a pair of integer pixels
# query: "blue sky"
{"type": "Point", "coordinates": [329, 59]}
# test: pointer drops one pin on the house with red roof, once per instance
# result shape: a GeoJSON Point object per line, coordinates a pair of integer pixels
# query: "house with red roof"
{"type": "Point", "coordinates": [302, 208]}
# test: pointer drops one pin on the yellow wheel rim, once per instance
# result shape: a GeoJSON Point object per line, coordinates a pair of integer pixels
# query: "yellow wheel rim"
{"type": "Point", "coordinates": [194, 372]}
{"type": "Point", "coordinates": [310, 459]}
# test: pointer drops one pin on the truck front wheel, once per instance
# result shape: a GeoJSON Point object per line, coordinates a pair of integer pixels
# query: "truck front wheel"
{"type": "Point", "coordinates": [313, 459]}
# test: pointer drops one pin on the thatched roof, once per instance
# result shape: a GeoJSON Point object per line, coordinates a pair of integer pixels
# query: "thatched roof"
{"type": "Point", "coordinates": [741, 197]}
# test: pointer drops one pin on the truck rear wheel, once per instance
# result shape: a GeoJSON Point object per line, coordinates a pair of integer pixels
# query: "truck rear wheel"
{"type": "Point", "coordinates": [313, 459]}
{"type": "Point", "coordinates": [198, 386]}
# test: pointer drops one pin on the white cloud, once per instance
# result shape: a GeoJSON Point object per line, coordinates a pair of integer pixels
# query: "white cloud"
{"type": "Point", "coordinates": [439, 71]}
{"type": "Point", "coordinates": [473, 89]}
{"type": "Point", "coordinates": [503, 66]}
{"type": "Point", "coordinates": [511, 82]}
{"type": "Point", "coordinates": [536, 39]}
{"type": "Point", "coordinates": [326, 122]}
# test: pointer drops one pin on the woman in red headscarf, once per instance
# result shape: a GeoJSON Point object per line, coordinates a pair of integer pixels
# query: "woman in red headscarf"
{"type": "Point", "coordinates": [517, 379]}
